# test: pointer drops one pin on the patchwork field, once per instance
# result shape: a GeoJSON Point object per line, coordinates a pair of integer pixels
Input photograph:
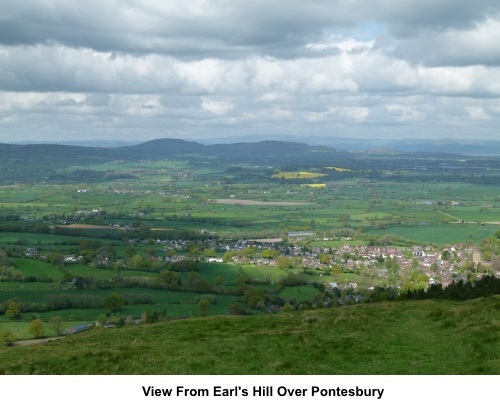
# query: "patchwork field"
{"type": "Point", "coordinates": [280, 231]}
{"type": "Point", "coordinates": [253, 202]}
{"type": "Point", "coordinates": [297, 175]}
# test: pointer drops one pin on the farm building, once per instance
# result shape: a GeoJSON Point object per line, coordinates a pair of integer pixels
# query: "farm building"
{"type": "Point", "coordinates": [76, 329]}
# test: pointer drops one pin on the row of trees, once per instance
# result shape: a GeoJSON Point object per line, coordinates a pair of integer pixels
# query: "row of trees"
{"type": "Point", "coordinates": [459, 291]}
{"type": "Point", "coordinates": [114, 302]}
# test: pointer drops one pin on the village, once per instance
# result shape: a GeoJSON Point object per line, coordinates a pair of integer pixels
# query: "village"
{"type": "Point", "coordinates": [386, 265]}
{"type": "Point", "coordinates": [438, 266]}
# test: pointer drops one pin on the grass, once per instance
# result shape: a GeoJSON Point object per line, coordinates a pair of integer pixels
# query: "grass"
{"type": "Point", "coordinates": [441, 233]}
{"type": "Point", "coordinates": [423, 337]}
{"type": "Point", "coordinates": [299, 293]}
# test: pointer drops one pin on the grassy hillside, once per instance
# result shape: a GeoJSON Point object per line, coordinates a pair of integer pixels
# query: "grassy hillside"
{"type": "Point", "coordinates": [420, 337]}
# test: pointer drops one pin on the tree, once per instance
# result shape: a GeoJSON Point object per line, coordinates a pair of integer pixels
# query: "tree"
{"type": "Point", "coordinates": [184, 265]}
{"type": "Point", "coordinates": [288, 308]}
{"type": "Point", "coordinates": [7, 338]}
{"type": "Point", "coordinates": [209, 252]}
{"type": "Point", "coordinates": [285, 262]}
{"type": "Point", "coordinates": [219, 281]}
{"type": "Point", "coordinates": [137, 261]}
{"type": "Point", "coordinates": [324, 258]}
{"type": "Point", "coordinates": [56, 325]}
{"type": "Point", "coordinates": [445, 255]}
{"type": "Point", "coordinates": [171, 278]}
{"type": "Point", "coordinates": [236, 308]}
{"type": "Point", "coordinates": [114, 302]}
{"type": "Point", "coordinates": [57, 259]}
{"type": "Point", "coordinates": [269, 253]}
{"type": "Point", "coordinates": [130, 251]}
{"type": "Point", "coordinates": [13, 309]}
{"type": "Point", "coordinates": [36, 328]}
{"type": "Point", "coordinates": [228, 256]}
{"type": "Point", "coordinates": [204, 306]}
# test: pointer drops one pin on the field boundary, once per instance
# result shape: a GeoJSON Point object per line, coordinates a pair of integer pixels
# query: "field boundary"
{"type": "Point", "coordinates": [235, 201]}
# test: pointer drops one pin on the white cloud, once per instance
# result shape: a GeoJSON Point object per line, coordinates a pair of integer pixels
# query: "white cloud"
{"type": "Point", "coordinates": [216, 107]}
{"type": "Point", "coordinates": [342, 44]}
{"type": "Point", "coordinates": [405, 113]}
{"type": "Point", "coordinates": [156, 68]}
{"type": "Point", "coordinates": [477, 113]}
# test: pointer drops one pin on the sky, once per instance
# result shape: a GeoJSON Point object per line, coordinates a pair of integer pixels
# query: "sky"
{"type": "Point", "coordinates": [138, 70]}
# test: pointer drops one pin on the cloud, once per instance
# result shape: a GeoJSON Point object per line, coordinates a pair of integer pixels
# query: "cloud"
{"type": "Point", "coordinates": [476, 45]}
{"type": "Point", "coordinates": [477, 113]}
{"type": "Point", "coordinates": [221, 27]}
{"type": "Point", "coordinates": [177, 68]}
{"type": "Point", "coordinates": [341, 44]}
{"type": "Point", "coordinates": [216, 107]}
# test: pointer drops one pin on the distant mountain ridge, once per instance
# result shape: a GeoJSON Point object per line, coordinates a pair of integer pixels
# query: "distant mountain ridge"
{"type": "Point", "coordinates": [161, 148]}
{"type": "Point", "coordinates": [270, 142]}
{"type": "Point", "coordinates": [261, 152]}
{"type": "Point", "coordinates": [454, 146]}
{"type": "Point", "coordinates": [253, 150]}
{"type": "Point", "coordinates": [52, 162]}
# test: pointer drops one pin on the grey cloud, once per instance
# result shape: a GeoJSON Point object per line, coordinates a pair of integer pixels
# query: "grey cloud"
{"type": "Point", "coordinates": [116, 68]}
{"type": "Point", "coordinates": [477, 45]}
{"type": "Point", "coordinates": [165, 27]}
{"type": "Point", "coordinates": [97, 100]}
{"type": "Point", "coordinates": [223, 26]}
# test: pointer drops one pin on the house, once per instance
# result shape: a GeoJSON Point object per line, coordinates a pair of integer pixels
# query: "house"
{"type": "Point", "coordinates": [476, 257]}
{"type": "Point", "coordinates": [76, 329]}
{"type": "Point", "coordinates": [31, 252]}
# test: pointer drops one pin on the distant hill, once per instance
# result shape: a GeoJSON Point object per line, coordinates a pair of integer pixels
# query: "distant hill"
{"type": "Point", "coordinates": [270, 143]}
{"type": "Point", "coordinates": [49, 162]}
{"type": "Point", "coordinates": [471, 146]}
{"type": "Point", "coordinates": [250, 150]}
{"type": "Point", "coordinates": [165, 147]}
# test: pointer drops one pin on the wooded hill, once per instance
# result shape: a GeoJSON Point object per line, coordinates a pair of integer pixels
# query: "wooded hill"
{"type": "Point", "coordinates": [44, 162]}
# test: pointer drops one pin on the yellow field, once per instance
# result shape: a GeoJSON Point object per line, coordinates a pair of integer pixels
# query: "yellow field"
{"type": "Point", "coordinates": [338, 169]}
{"type": "Point", "coordinates": [86, 226]}
{"type": "Point", "coordinates": [297, 175]}
{"type": "Point", "coordinates": [315, 185]}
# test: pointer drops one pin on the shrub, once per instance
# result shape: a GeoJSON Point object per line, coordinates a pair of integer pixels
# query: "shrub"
{"type": "Point", "coordinates": [36, 328]}
{"type": "Point", "coordinates": [7, 338]}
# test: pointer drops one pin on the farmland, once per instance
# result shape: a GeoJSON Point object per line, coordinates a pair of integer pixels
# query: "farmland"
{"type": "Point", "coordinates": [297, 175]}
{"type": "Point", "coordinates": [193, 235]}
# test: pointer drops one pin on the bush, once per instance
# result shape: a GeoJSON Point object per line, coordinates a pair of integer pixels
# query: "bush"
{"type": "Point", "coordinates": [212, 298]}
{"type": "Point", "coordinates": [114, 302]}
{"type": "Point", "coordinates": [36, 328]}
{"type": "Point", "coordinates": [7, 338]}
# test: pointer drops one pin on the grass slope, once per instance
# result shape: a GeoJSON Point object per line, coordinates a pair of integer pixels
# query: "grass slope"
{"type": "Point", "coordinates": [419, 337]}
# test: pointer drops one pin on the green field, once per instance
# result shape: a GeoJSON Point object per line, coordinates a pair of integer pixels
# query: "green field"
{"type": "Point", "coordinates": [441, 234]}
{"type": "Point", "coordinates": [124, 212]}
{"type": "Point", "coordinates": [424, 337]}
